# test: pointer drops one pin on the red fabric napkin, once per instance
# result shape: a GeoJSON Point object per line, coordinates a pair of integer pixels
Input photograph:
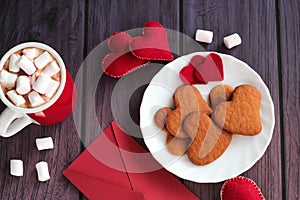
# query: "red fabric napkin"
{"type": "Point", "coordinates": [110, 169]}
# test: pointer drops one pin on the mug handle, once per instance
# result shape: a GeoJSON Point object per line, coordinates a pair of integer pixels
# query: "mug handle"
{"type": "Point", "coordinates": [11, 122]}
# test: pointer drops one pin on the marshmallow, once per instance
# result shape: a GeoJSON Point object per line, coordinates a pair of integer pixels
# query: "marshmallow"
{"type": "Point", "coordinates": [43, 60]}
{"type": "Point", "coordinates": [26, 65]}
{"type": "Point", "coordinates": [204, 36]}
{"type": "Point", "coordinates": [15, 98]}
{"type": "Point", "coordinates": [35, 99]}
{"type": "Point", "coordinates": [42, 83]}
{"type": "Point", "coordinates": [44, 143]}
{"type": "Point", "coordinates": [51, 69]}
{"type": "Point", "coordinates": [32, 53]}
{"type": "Point", "coordinates": [52, 88]}
{"type": "Point", "coordinates": [16, 167]}
{"type": "Point", "coordinates": [42, 171]}
{"type": "Point", "coordinates": [12, 63]}
{"type": "Point", "coordinates": [8, 79]}
{"type": "Point", "coordinates": [23, 85]}
{"type": "Point", "coordinates": [232, 40]}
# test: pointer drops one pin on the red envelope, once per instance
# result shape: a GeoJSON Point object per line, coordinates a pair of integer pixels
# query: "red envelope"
{"type": "Point", "coordinates": [117, 177]}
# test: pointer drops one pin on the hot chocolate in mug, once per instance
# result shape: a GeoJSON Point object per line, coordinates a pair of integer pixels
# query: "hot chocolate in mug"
{"type": "Point", "coordinates": [56, 109]}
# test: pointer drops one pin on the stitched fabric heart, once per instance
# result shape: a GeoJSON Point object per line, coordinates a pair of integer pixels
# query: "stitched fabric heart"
{"type": "Point", "coordinates": [211, 69]}
{"type": "Point", "coordinates": [187, 74]}
{"type": "Point", "coordinates": [153, 44]}
{"type": "Point", "coordinates": [120, 61]}
{"type": "Point", "coordinates": [240, 188]}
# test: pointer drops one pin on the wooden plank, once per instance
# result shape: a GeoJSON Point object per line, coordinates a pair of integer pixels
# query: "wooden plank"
{"type": "Point", "coordinates": [105, 18]}
{"type": "Point", "coordinates": [289, 27]}
{"type": "Point", "coordinates": [256, 23]}
{"type": "Point", "coordinates": [60, 25]}
{"type": "Point", "coordinates": [113, 16]}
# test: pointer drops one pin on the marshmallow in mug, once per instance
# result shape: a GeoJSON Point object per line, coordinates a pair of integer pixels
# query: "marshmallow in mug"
{"type": "Point", "coordinates": [204, 36]}
{"type": "Point", "coordinates": [35, 99]}
{"type": "Point", "coordinates": [51, 69]}
{"type": "Point", "coordinates": [18, 100]}
{"type": "Point", "coordinates": [12, 63]}
{"type": "Point", "coordinates": [8, 79]}
{"type": "Point", "coordinates": [42, 171]}
{"type": "Point", "coordinates": [32, 52]}
{"type": "Point", "coordinates": [16, 167]}
{"type": "Point", "coordinates": [52, 88]}
{"type": "Point", "coordinates": [42, 83]}
{"type": "Point", "coordinates": [23, 85]}
{"type": "Point", "coordinates": [43, 60]}
{"type": "Point", "coordinates": [26, 65]}
{"type": "Point", "coordinates": [232, 40]}
{"type": "Point", "coordinates": [44, 143]}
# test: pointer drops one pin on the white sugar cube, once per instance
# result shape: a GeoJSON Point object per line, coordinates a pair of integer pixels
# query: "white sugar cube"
{"type": "Point", "coordinates": [35, 99]}
{"type": "Point", "coordinates": [51, 69]}
{"type": "Point", "coordinates": [8, 79]}
{"type": "Point", "coordinates": [42, 171]}
{"type": "Point", "coordinates": [26, 65]}
{"type": "Point", "coordinates": [204, 36]}
{"type": "Point", "coordinates": [52, 88]}
{"type": "Point", "coordinates": [41, 84]}
{"type": "Point", "coordinates": [43, 60]}
{"type": "Point", "coordinates": [12, 63]}
{"type": "Point", "coordinates": [232, 40]}
{"type": "Point", "coordinates": [32, 52]}
{"type": "Point", "coordinates": [16, 167]}
{"type": "Point", "coordinates": [15, 98]}
{"type": "Point", "coordinates": [44, 143]}
{"type": "Point", "coordinates": [23, 85]}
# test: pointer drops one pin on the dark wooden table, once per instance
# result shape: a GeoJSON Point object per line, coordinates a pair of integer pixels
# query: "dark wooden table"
{"type": "Point", "coordinates": [270, 33]}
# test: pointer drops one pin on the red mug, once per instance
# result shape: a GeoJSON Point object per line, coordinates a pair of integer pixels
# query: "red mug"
{"type": "Point", "coordinates": [14, 118]}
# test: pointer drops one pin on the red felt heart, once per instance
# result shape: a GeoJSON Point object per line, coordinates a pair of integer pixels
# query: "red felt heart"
{"type": "Point", "coordinates": [120, 61]}
{"type": "Point", "coordinates": [240, 188]}
{"type": "Point", "coordinates": [187, 74]}
{"type": "Point", "coordinates": [153, 45]}
{"type": "Point", "coordinates": [211, 69]}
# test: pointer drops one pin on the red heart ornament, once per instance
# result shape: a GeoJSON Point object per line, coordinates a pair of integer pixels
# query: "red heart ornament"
{"type": "Point", "coordinates": [153, 45]}
{"type": "Point", "coordinates": [211, 69]}
{"type": "Point", "coordinates": [240, 188]}
{"type": "Point", "coordinates": [120, 62]}
{"type": "Point", "coordinates": [187, 74]}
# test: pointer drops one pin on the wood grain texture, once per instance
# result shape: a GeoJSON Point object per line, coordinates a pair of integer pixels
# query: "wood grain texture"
{"type": "Point", "coordinates": [113, 16]}
{"type": "Point", "coordinates": [255, 22]}
{"type": "Point", "coordinates": [60, 25]}
{"type": "Point", "coordinates": [289, 21]}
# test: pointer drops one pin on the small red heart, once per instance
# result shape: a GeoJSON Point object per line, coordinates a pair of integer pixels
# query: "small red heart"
{"type": "Point", "coordinates": [187, 74]}
{"type": "Point", "coordinates": [211, 69]}
{"type": "Point", "coordinates": [120, 61]}
{"type": "Point", "coordinates": [240, 188]}
{"type": "Point", "coordinates": [153, 45]}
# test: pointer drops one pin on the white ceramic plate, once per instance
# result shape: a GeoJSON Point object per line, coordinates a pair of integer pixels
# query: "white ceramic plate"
{"type": "Point", "coordinates": [242, 153]}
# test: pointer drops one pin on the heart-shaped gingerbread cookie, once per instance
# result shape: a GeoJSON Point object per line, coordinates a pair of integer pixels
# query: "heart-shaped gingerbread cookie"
{"type": "Point", "coordinates": [187, 99]}
{"type": "Point", "coordinates": [153, 45]}
{"type": "Point", "coordinates": [241, 115]}
{"type": "Point", "coordinates": [120, 61]}
{"type": "Point", "coordinates": [209, 142]}
{"type": "Point", "coordinates": [220, 93]}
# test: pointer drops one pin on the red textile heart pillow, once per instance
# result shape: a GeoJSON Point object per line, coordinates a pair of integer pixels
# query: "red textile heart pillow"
{"type": "Point", "coordinates": [153, 44]}
{"type": "Point", "coordinates": [187, 74]}
{"type": "Point", "coordinates": [211, 69]}
{"type": "Point", "coordinates": [120, 62]}
{"type": "Point", "coordinates": [240, 188]}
